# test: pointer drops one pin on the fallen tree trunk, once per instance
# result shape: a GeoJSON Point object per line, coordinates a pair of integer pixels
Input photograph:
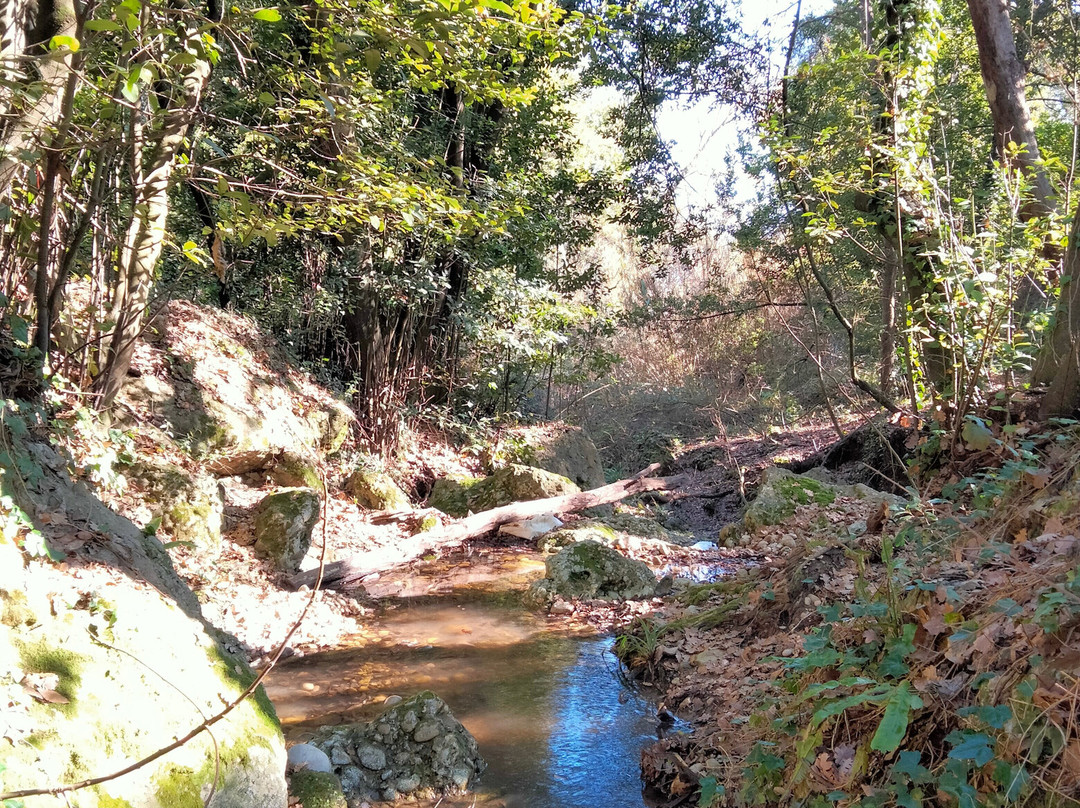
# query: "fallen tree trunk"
{"type": "Point", "coordinates": [349, 572]}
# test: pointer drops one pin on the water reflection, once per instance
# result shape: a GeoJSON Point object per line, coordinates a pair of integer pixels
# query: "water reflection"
{"type": "Point", "coordinates": [555, 725]}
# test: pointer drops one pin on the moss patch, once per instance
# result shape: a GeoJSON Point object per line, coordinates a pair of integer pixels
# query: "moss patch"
{"type": "Point", "coordinates": [317, 789]}
{"type": "Point", "coordinates": [40, 657]}
{"type": "Point", "coordinates": [177, 787]}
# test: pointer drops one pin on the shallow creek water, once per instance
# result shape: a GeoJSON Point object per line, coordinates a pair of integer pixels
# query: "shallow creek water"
{"type": "Point", "coordinates": [555, 723]}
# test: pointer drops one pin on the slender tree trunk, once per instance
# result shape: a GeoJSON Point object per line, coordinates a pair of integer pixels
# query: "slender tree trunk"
{"type": "Point", "coordinates": [1003, 77]}
{"type": "Point", "coordinates": [146, 234]}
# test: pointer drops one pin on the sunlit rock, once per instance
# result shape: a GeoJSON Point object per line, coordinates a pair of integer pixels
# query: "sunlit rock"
{"type": "Point", "coordinates": [284, 521]}
{"type": "Point", "coordinates": [375, 489]}
{"type": "Point", "coordinates": [415, 748]}
{"type": "Point", "coordinates": [590, 570]}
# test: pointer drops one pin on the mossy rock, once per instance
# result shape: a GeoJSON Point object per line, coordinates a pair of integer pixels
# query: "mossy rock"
{"type": "Point", "coordinates": [295, 470]}
{"type": "Point", "coordinates": [284, 521]}
{"type": "Point", "coordinates": [517, 484]}
{"type": "Point", "coordinates": [564, 537]}
{"type": "Point", "coordinates": [590, 570]}
{"type": "Point", "coordinates": [638, 526]}
{"type": "Point", "coordinates": [375, 489]}
{"type": "Point", "coordinates": [104, 661]}
{"type": "Point", "coordinates": [572, 454]}
{"type": "Point", "coordinates": [451, 495]}
{"type": "Point", "coordinates": [189, 506]}
{"type": "Point", "coordinates": [317, 789]}
{"type": "Point", "coordinates": [783, 491]}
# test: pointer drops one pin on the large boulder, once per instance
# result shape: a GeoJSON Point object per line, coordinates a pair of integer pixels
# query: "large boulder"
{"type": "Point", "coordinates": [189, 505]}
{"type": "Point", "coordinates": [461, 496]}
{"type": "Point", "coordinates": [782, 491]}
{"type": "Point", "coordinates": [375, 489]}
{"type": "Point", "coordinates": [590, 570]}
{"type": "Point", "coordinates": [225, 390]}
{"type": "Point", "coordinates": [98, 671]}
{"type": "Point", "coordinates": [415, 749]}
{"type": "Point", "coordinates": [571, 453]}
{"type": "Point", "coordinates": [284, 522]}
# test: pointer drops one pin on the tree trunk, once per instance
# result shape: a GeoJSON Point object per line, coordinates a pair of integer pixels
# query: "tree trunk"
{"type": "Point", "coordinates": [1059, 360]}
{"type": "Point", "coordinates": [349, 572]}
{"type": "Point", "coordinates": [1003, 77]}
{"type": "Point", "coordinates": [146, 233]}
{"type": "Point", "coordinates": [26, 41]}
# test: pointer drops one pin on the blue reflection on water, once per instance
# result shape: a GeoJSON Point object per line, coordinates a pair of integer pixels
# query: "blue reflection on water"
{"type": "Point", "coordinates": [596, 741]}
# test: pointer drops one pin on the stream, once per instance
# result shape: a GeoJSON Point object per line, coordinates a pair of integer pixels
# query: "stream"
{"type": "Point", "coordinates": [555, 722]}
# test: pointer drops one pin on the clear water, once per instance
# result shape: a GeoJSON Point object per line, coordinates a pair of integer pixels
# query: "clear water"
{"type": "Point", "coordinates": [555, 723]}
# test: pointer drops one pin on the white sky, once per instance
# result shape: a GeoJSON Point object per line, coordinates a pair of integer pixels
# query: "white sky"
{"type": "Point", "coordinates": [701, 136]}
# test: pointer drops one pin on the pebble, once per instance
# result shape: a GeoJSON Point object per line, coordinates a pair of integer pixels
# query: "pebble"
{"type": "Point", "coordinates": [339, 757]}
{"type": "Point", "coordinates": [390, 701]}
{"type": "Point", "coordinates": [408, 783]}
{"type": "Point", "coordinates": [562, 607]}
{"type": "Point", "coordinates": [371, 758]}
{"type": "Point", "coordinates": [306, 756]}
{"type": "Point", "coordinates": [788, 652]}
{"type": "Point", "coordinates": [427, 731]}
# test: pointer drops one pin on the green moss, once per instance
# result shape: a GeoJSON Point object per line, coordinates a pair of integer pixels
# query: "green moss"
{"type": "Point", "coordinates": [109, 801]}
{"type": "Point", "coordinates": [429, 522]}
{"type": "Point", "coordinates": [178, 787]}
{"type": "Point", "coordinates": [804, 490]}
{"type": "Point", "coordinates": [234, 670]}
{"type": "Point", "coordinates": [40, 657]}
{"type": "Point", "coordinates": [317, 789]}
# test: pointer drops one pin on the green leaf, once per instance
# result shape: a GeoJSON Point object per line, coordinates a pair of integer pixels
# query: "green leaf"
{"type": "Point", "coordinates": [974, 746]}
{"type": "Point", "coordinates": [893, 727]}
{"type": "Point", "coordinates": [875, 695]}
{"type": "Point", "coordinates": [64, 41]}
{"type": "Point", "coordinates": [130, 90]}
{"type": "Point", "coordinates": [20, 329]}
{"type": "Point", "coordinates": [710, 790]}
{"type": "Point", "coordinates": [266, 99]}
{"type": "Point", "coordinates": [497, 5]}
{"type": "Point", "coordinates": [171, 544]}
{"type": "Point", "coordinates": [372, 58]}
{"type": "Point", "coordinates": [102, 25]}
{"type": "Point", "coordinates": [996, 716]}
{"type": "Point", "coordinates": [267, 15]}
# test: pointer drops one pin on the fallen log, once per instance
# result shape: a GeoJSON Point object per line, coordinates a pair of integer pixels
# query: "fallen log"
{"type": "Point", "coordinates": [350, 571]}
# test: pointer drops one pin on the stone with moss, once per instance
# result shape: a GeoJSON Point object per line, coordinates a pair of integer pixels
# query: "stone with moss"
{"type": "Point", "coordinates": [293, 469]}
{"type": "Point", "coordinates": [188, 506]}
{"type": "Point", "coordinates": [115, 660]}
{"type": "Point", "coordinates": [571, 453]}
{"type": "Point", "coordinates": [589, 531]}
{"type": "Point", "coordinates": [590, 570]}
{"type": "Point", "coordinates": [783, 491]}
{"type": "Point", "coordinates": [284, 521]}
{"type": "Point", "coordinates": [451, 494]}
{"type": "Point", "coordinates": [317, 789]}
{"type": "Point", "coordinates": [517, 484]}
{"type": "Point", "coordinates": [375, 489]}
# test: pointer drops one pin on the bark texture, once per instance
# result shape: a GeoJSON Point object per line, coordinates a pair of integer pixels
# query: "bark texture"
{"type": "Point", "coordinates": [1003, 79]}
